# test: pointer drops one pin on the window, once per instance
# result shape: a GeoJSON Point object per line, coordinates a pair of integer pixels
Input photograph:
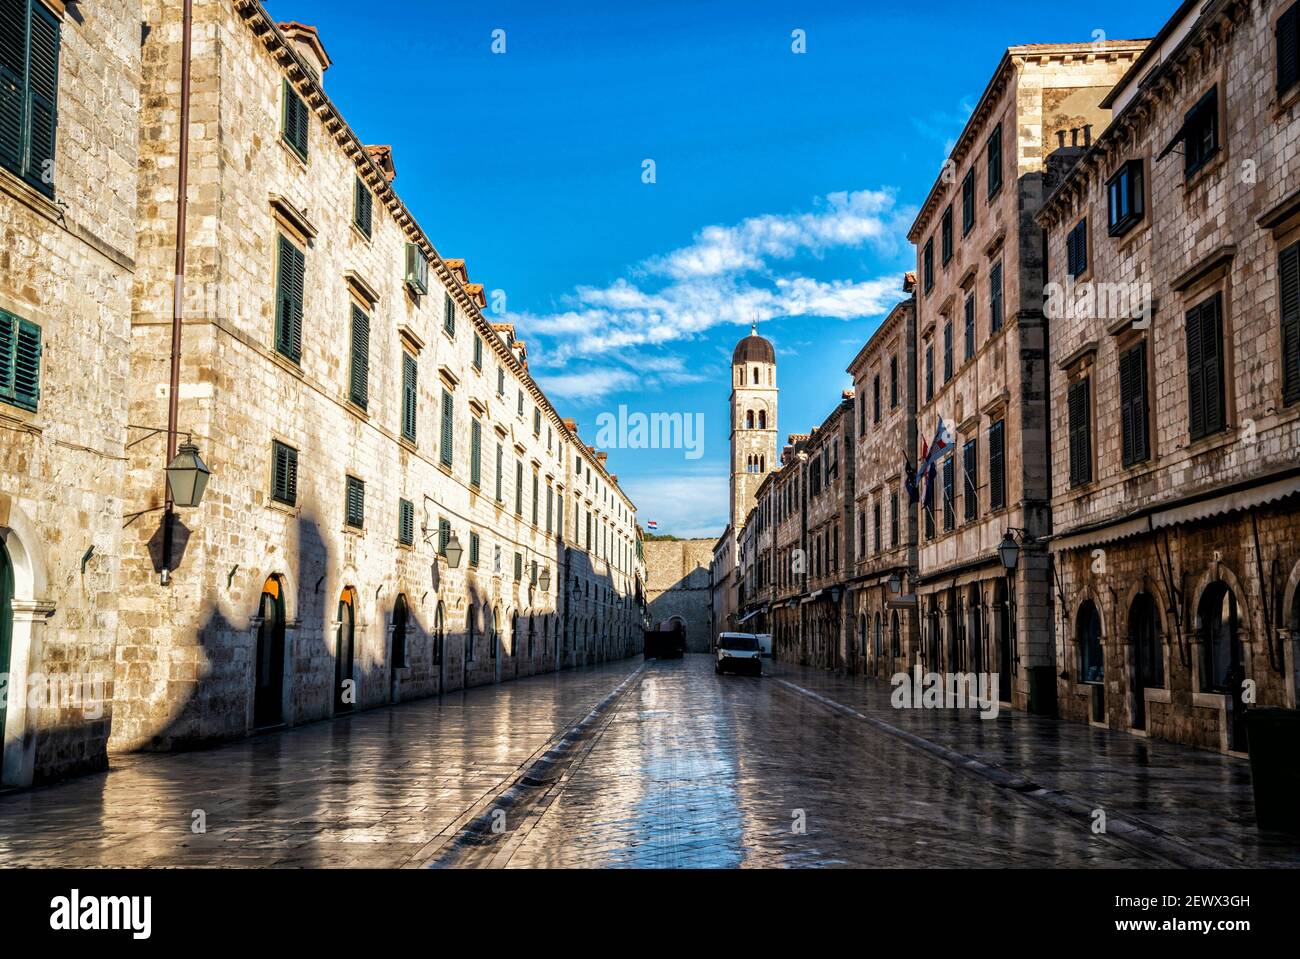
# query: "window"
{"type": "Point", "coordinates": [359, 383]}
{"type": "Point", "coordinates": [1199, 134]}
{"type": "Point", "coordinates": [995, 161]}
{"type": "Point", "coordinates": [475, 452]}
{"type": "Point", "coordinates": [410, 396]}
{"type": "Point", "coordinates": [1076, 249]}
{"type": "Point", "coordinates": [929, 372]}
{"type": "Point", "coordinates": [284, 474]}
{"type": "Point", "coordinates": [405, 522]}
{"type": "Point", "coordinates": [501, 381]}
{"type": "Point", "coordinates": [945, 235]}
{"type": "Point", "coordinates": [550, 508]}
{"type": "Point", "coordinates": [995, 298]}
{"type": "Point", "coordinates": [294, 121]}
{"type": "Point", "coordinates": [519, 488]}
{"type": "Point", "coordinates": [1288, 49]}
{"type": "Point", "coordinates": [520, 411]}
{"type": "Point", "coordinates": [875, 398]}
{"type": "Point", "coordinates": [997, 466]}
{"type": "Point", "coordinates": [478, 352]}
{"type": "Point", "coordinates": [1080, 433]}
{"type": "Point", "coordinates": [893, 518]}
{"type": "Point", "coordinates": [20, 362]}
{"type": "Point", "coordinates": [1205, 368]}
{"type": "Point", "coordinates": [1289, 279]}
{"type": "Point", "coordinates": [862, 416]}
{"type": "Point", "coordinates": [968, 202]}
{"type": "Point", "coordinates": [893, 382]}
{"type": "Point", "coordinates": [1124, 198]}
{"type": "Point", "coordinates": [534, 497]}
{"type": "Point", "coordinates": [875, 518]}
{"type": "Point", "coordinates": [354, 511]}
{"type": "Point", "coordinates": [444, 536]}
{"type": "Point", "coordinates": [537, 421]}
{"type": "Point", "coordinates": [1133, 404]}
{"type": "Point", "coordinates": [448, 429]}
{"type": "Point", "coordinates": [928, 506]}
{"type": "Point", "coordinates": [862, 534]}
{"type": "Point", "coordinates": [970, 327]}
{"type": "Point", "coordinates": [947, 351]}
{"type": "Point", "coordinates": [289, 282]}
{"type": "Point", "coordinates": [501, 456]}
{"type": "Point", "coordinates": [29, 87]}
{"type": "Point", "coordinates": [448, 314]}
{"type": "Point", "coordinates": [927, 264]}
{"type": "Point", "coordinates": [970, 472]}
{"type": "Point", "coordinates": [519, 567]}
{"type": "Point", "coordinates": [363, 206]}
{"type": "Point", "coordinates": [949, 505]}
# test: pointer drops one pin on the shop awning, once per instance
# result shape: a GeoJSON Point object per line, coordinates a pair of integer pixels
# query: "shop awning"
{"type": "Point", "coordinates": [1228, 503]}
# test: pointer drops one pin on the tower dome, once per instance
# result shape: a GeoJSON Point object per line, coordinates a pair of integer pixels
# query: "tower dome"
{"type": "Point", "coordinates": [753, 349]}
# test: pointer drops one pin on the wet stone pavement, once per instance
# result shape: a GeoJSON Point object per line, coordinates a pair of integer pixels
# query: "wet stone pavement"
{"type": "Point", "coordinates": [684, 769]}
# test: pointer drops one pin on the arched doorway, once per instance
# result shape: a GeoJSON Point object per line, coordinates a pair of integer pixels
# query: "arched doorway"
{"type": "Point", "coordinates": [268, 685]}
{"type": "Point", "coordinates": [439, 628]}
{"type": "Point", "coordinates": [6, 623]}
{"type": "Point", "coordinates": [1147, 651]}
{"type": "Point", "coordinates": [1222, 660]}
{"type": "Point", "coordinates": [1092, 661]}
{"type": "Point", "coordinates": [401, 622]}
{"type": "Point", "coordinates": [345, 696]}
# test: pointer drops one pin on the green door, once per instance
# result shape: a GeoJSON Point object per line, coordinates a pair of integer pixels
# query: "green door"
{"type": "Point", "coordinates": [6, 624]}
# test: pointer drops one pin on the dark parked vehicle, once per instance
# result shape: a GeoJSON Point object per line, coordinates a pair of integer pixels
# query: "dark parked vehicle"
{"type": "Point", "coordinates": [665, 644]}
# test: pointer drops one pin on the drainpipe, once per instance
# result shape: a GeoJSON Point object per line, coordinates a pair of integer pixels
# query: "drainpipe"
{"type": "Point", "coordinates": [178, 297]}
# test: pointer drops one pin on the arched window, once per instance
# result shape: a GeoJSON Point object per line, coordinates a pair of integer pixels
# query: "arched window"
{"type": "Point", "coordinates": [762, 419]}
{"type": "Point", "coordinates": [1092, 667]}
{"type": "Point", "coordinates": [749, 419]}
{"type": "Point", "coordinates": [344, 640]}
{"type": "Point", "coordinates": [1144, 634]}
{"type": "Point", "coordinates": [1218, 624]}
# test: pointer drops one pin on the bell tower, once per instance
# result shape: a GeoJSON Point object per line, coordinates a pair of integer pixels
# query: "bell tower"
{"type": "Point", "coordinates": [753, 421]}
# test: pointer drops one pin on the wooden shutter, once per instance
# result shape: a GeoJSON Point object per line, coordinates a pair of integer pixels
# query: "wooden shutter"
{"type": "Point", "coordinates": [364, 207]}
{"type": "Point", "coordinates": [288, 300]}
{"type": "Point", "coordinates": [295, 120]}
{"type": "Point", "coordinates": [1289, 274]}
{"type": "Point", "coordinates": [449, 314]}
{"type": "Point", "coordinates": [501, 451]}
{"type": "Point", "coordinates": [995, 298]}
{"type": "Point", "coordinates": [284, 474]}
{"type": "Point", "coordinates": [1205, 368]}
{"type": "Point", "coordinates": [448, 433]}
{"type": "Point", "coordinates": [1080, 434]}
{"type": "Point", "coordinates": [475, 452]}
{"type": "Point", "coordinates": [997, 466]}
{"type": "Point", "coordinates": [8, 342]}
{"type": "Point", "coordinates": [356, 502]}
{"type": "Point", "coordinates": [42, 97]}
{"type": "Point", "coordinates": [1288, 49]}
{"type": "Point", "coordinates": [405, 522]}
{"type": "Point", "coordinates": [360, 386]}
{"type": "Point", "coordinates": [970, 469]}
{"type": "Point", "coordinates": [410, 396]}
{"type": "Point", "coordinates": [13, 71]}
{"type": "Point", "coordinates": [949, 506]}
{"type": "Point", "coordinates": [519, 492]}
{"type": "Point", "coordinates": [1133, 404]}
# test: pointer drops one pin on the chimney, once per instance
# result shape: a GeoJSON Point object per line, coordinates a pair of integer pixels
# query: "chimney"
{"type": "Point", "coordinates": [305, 42]}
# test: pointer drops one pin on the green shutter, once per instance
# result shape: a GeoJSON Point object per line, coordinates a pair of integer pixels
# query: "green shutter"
{"type": "Point", "coordinates": [8, 340]}
{"type": "Point", "coordinates": [355, 509]}
{"type": "Point", "coordinates": [295, 120]}
{"type": "Point", "coordinates": [519, 488]}
{"type": "Point", "coordinates": [20, 361]}
{"type": "Point", "coordinates": [997, 466]}
{"type": "Point", "coordinates": [448, 432]}
{"type": "Point", "coordinates": [363, 207]}
{"type": "Point", "coordinates": [1289, 275]}
{"type": "Point", "coordinates": [359, 392]}
{"type": "Point", "coordinates": [1080, 434]}
{"type": "Point", "coordinates": [444, 536]}
{"type": "Point", "coordinates": [13, 70]}
{"type": "Point", "coordinates": [501, 453]}
{"type": "Point", "coordinates": [449, 314]}
{"type": "Point", "coordinates": [475, 453]}
{"type": "Point", "coordinates": [42, 97]}
{"type": "Point", "coordinates": [284, 474]}
{"type": "Point", "coordinates": [410, 396]}
{"type": "Point", "coordinates": [289, 284]}
{"type": "Point", "coordinates": [1133, 404]}
{"type": "Point", "coordinates": [405, 522]}
{"type": "Point", "coordinates": [1205, 369]}
{"type": "Point", "coordinates": [1288, 49]}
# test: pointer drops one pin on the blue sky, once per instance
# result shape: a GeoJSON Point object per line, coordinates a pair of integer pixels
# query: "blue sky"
{"type": "Point", "coordinates": [784, 182]}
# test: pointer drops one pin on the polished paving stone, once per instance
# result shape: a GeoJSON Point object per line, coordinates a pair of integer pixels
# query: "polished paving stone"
{"type": "Point", "coordinates": [689, 770]}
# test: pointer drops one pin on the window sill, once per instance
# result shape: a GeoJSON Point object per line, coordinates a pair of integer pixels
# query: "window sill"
{"type": "Point", "coordinates": [22, 191]}
{"type": "Point", "coordinates": [288, 364]}
{"type": "Point", "coordinates": [362, 234]}
{"type": "Point", "coordinates": [302, 161]}
{"type": "Point", "coordinates": [408, 547]}
{"type": "Point", "coordinates": [1207, 169]}
{"type": "Point", "coordinates": [1285, 101]}
{"type": "Point", "coordinates": [408, 443]}
{"type": "Point", "coordinates": [353, 530]}
{"type": "Point", "coordinates": [278, 507]}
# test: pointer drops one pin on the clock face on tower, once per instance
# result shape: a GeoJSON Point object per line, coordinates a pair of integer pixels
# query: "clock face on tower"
{"type": "Point", "coordinates": [753, 421]}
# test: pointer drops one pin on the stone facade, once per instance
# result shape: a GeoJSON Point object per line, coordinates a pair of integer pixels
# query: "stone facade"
{"type": "Point", "coordinates": [677, 588]}
{"type": "Point", "coordinates": [982, 365]}
{"type": "Point", "coordinates": [882, 627]}
{"type": "Point", "coordinates": [1169, 511]}
{"type": "Point", "coordinates": [67, 256]}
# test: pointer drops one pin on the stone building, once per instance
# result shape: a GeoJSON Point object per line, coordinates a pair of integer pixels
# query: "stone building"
{"type": "Point", "coordinates": [786, 495]}
{"type": "Point", "coordinates": [1174, 259]}
{"type": "Point", "coordinates": [677, 588]}
{"type": "Point", "coordinates": [395, 507]}
{"type": "Point", "coordinates": [981, 346]}
{"type": "Point", "coordinates": [883, 627]}
{"type": "Point", "coordinates": [68, 172]}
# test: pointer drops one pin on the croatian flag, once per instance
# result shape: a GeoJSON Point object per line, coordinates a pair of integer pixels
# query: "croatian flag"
{"type": "Point", "coordinates": [652, 526]}
{"type": "Point", "coordinates": [943, 441]}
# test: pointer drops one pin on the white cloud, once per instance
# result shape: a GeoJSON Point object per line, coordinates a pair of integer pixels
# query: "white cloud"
{"type": "Point", "coordinates": [726, 276]}
{"type": "Point", "coordinates": [691, 504]}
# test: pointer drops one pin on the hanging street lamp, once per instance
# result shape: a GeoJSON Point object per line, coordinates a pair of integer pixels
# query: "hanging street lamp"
{"type": "Point", "coordinates": [187, 476]}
